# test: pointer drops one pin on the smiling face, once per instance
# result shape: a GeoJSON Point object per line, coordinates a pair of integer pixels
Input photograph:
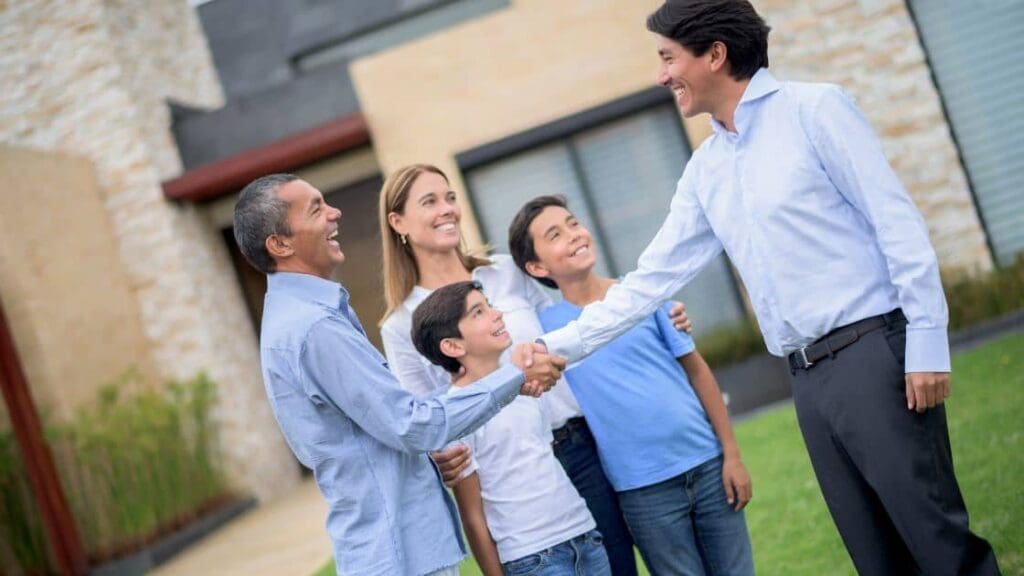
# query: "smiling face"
{"type": "Point", "coordinates": [691, 78]}
{"type": "Point", "coordinates": [431, 215]}
{"type": "Point", "coordinates": [482, 330]}
{"type": "Point", "coordinates": [313, 246]}
{"type": "Point", "coordinates": [563, 246]}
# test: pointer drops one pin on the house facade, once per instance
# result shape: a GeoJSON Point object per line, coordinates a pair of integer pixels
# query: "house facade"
{"type": "Point", "coordinates": [133, 128]}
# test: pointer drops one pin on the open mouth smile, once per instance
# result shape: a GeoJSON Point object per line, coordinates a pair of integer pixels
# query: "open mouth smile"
{"type": "Point", "coordinates": [582, 250]}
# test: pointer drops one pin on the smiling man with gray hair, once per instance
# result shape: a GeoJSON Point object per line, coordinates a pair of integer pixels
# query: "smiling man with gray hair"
{"type": "Point", "coordinates": [342, 412]}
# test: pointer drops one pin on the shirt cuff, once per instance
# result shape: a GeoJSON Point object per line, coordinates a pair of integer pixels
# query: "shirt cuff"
{"type": "Point", "coordinates": [473, 467]}
{"type": "Point", "coordinates": [565, 342]}
{"type": "Point", "coordinates": [927, 350]}
{"type": "Point", "coordinates": [503, 384]}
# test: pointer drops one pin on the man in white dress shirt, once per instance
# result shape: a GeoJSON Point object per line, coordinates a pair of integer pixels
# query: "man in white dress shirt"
{"type": "Point", "coordinates": [793, 184]}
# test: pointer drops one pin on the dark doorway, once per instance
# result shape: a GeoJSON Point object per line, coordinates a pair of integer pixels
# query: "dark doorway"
{"type": "Point", "coordinates": [361, 273]}
{"type": "Point", "coordinates": [360, 240]}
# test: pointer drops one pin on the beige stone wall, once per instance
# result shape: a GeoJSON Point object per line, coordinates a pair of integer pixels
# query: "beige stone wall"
{"type": "Point", "coordinates": [65, 292]}
{"type": "Point", "coordinates": [539, 61]}
{"type": "Point", "coordinates": [88, 78]}
{"type": "Point", "coordinates": [176, 66]}
{"type": "Point", "coordinates": [871, 48]}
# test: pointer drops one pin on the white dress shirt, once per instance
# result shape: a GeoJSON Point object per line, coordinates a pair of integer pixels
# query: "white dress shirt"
{"type": "Point", "coordinates": [809, 211]}
{"type": "Point", "coordinates": [508, 289]}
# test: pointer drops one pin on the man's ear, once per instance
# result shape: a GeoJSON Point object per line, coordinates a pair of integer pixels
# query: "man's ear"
{"type": "Point", "coordinates": [453, 347]}
{"type": "Point", "coordinates": [719, 55]}
{"type": "Point", "coordinates": [537, 270]}
{"type": "Point", "coordinates": [279, 246]}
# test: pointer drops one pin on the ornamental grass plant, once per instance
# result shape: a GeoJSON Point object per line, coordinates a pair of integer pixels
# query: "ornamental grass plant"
{"type": "Point", "coordinates": [139, 463]}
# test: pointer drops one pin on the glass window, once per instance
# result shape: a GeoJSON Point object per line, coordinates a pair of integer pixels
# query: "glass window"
{"type": "Point", "coordinates": [619, 178]}
{"type": "Point", "coordinates": [974, 49]}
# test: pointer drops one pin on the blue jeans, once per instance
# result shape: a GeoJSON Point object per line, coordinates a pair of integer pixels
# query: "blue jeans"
{"type": "Point", "coordinates": [684, 525]}
{"type": "Point", "coordinates": [576, 450]}
{"type": "Point", "coordinates": [584, 555]}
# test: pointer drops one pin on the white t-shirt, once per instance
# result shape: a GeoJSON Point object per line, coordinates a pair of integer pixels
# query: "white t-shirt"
{"type": "Point", "coordinates": [508, 289]}
{"type": "Point", "coordinates": [530, 503]}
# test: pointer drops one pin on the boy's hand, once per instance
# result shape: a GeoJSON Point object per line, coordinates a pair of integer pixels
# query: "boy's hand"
{"type": "Point", "coordinates": [451, 462]}
{"type": "Point", "coordinates": [679, 318]}
{"type": "Point", "coordinates": [541, 369]}
{"type": "Point", "coordinates": [736, 480]}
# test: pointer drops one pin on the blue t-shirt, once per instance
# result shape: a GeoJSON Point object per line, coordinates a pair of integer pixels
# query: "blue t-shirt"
{"type": "Point", "coordinates": [639, 404]}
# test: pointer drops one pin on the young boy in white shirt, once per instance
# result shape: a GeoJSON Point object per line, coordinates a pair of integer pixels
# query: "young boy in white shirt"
{"type": "Point", "coordinates": [520, 512]}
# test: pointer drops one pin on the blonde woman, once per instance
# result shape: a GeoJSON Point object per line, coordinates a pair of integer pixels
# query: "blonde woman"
{"type": "Point", "coordinates": [422, 245]}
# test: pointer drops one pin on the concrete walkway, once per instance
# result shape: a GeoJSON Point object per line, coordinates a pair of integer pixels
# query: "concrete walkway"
{"type": "Point", "coordinates": [284, 537]}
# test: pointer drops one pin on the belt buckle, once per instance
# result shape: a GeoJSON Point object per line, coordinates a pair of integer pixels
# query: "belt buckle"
{"type": "Point", "coordinates": [803, 356]}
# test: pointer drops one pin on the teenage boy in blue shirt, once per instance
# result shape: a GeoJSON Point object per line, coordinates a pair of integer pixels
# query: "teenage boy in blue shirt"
{"type": "Point", "coordinates": [654, 408]}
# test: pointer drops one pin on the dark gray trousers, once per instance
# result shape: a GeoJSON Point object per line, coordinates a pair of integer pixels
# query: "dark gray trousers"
{"type": "Point", "coordinates": [886, 472]}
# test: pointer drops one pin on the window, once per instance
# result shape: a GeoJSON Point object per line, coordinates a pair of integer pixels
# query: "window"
{"type": "Point", "coordinates": [618, 174]}
{"type": "Point", "coordinates": [974, 51]}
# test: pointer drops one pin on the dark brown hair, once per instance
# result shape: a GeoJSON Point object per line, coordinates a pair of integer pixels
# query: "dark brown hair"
{"type": "Point", "coordinates": [697, 24]}
{"type": "Point", "coordinates": [437, 318]}
{"type": "Point", "coordinates": [520, 242]}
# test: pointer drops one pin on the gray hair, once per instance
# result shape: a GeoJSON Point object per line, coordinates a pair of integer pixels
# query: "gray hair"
{"type": "Point", "coordinates": [259, 214]}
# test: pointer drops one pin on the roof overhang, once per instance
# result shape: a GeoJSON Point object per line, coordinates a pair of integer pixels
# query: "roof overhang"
{"type": "Point", "coordinates": [229, 175]}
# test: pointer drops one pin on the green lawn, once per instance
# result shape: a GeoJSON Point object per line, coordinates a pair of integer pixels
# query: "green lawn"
{"type": "Point", "coordinates": [789, 524]}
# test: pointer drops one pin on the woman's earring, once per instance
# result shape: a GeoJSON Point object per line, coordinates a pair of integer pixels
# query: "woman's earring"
{"type": "Point", "coordinates": [405, 240]}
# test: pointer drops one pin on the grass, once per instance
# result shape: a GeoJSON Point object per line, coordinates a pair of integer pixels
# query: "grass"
{"type": "Point", "coordinates": [790, 527]}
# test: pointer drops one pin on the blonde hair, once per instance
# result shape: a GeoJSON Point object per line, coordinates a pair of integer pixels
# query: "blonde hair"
{"type": "Point", "coordinates": [401, 273]}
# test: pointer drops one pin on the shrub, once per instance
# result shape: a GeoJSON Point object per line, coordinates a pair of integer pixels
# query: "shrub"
{"type": "Point", "coordinates": [971, 299]}
{"type": "Point", "coordinates": [139, 463]}
{"type": "Point", "coordinates": [723, 346]}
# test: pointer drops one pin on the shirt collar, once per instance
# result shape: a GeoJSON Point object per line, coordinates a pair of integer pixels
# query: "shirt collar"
{"type": "Point", "coordinates": [308, 287]}
{"type": "Point", "coordinates": [761, 84]}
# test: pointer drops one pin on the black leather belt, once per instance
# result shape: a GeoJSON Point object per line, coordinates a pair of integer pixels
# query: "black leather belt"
{"type": "Point", "coordinates": [566, 430]}
{"type": "Point", "coordinates": [838, 339]}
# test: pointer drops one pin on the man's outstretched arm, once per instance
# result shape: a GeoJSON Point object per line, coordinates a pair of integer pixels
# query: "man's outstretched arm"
{"type": "Point", "coordinates": [341, 367]}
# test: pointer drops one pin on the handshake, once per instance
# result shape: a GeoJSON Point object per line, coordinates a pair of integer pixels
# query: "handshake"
{"type": "Point", "coordinates": [541, 369]}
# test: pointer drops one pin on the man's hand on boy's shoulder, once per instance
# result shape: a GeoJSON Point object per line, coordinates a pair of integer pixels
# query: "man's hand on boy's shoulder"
{"type": "Point", "coordinates": [451, 462]}
{"type": "Point", "coordinates": [679, 318]}
{"type": "Point", "coordinates": [542, 370]}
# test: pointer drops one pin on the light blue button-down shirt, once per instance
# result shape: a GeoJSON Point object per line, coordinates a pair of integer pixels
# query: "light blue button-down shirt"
{"type": "Point", "coordinates": [806, 206]}
{"type": "Point", "coordinates": [365, 438]}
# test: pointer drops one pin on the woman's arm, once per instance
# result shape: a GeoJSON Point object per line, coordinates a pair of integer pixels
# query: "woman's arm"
{"type": "Point", "coordinates": [735, 478]}
{"type": "Point", "coordinates": [406, 363]}
{"type": "Point", "coordinates": [474, 522]}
